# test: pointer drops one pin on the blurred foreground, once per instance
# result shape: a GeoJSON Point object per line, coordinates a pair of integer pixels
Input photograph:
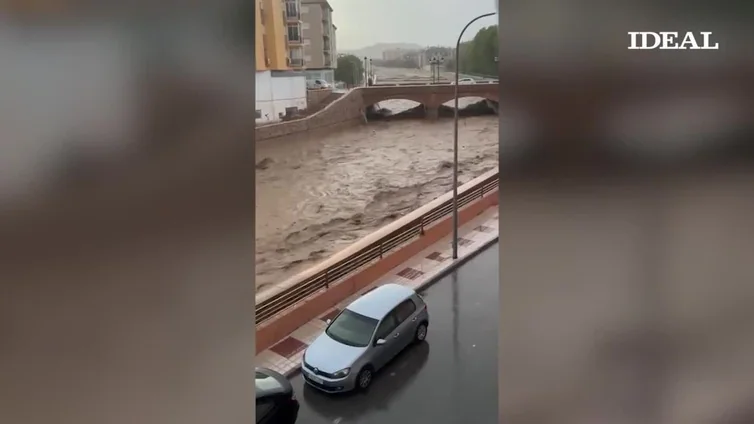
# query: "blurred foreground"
{"type": "Point", "coordinates": [625, 220]}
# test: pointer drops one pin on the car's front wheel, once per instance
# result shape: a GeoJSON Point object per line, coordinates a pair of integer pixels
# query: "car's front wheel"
{"type": "Point", "coordinates": [364, 378]}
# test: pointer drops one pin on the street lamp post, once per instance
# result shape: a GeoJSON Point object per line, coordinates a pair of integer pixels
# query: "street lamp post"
{"type": "Point", "coordinates": [434, 64]}
{"type": "Point", "coordinates": [455, 138]}
{"type": "Point", "coordinates": [366, 70]}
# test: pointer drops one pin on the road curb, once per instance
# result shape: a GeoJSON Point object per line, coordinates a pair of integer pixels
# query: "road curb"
{"type": "Point", "coordinates": [450, 268]}
{"type": "Point", "coordinates": [458, 262]}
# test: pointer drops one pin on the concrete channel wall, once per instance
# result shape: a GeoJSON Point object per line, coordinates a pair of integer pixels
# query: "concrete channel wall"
{"type": "Point", "coordinates": [347, 110]}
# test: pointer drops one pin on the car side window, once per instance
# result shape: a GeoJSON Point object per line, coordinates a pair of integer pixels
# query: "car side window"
{"type": "Point", "coordinates": [388, 324]}
{"type": "Point", "coordinates": [264, 407]}
{"type": "Point", "coordinates": [405, 310]}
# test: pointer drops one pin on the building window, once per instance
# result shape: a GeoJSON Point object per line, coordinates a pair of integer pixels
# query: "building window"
{"type": "Point", "coordinates": [290, 111]}
{"type": "Point", "coordinates": [294, 33]}
{"type": "Point", "coordinates": [259, 114]}
{"type": "Point", "coordinates": [290, 9]}
{"type": "Point", "coordinates": [296, 57]}
{"type": "Point", "coordinates": [296, 53]}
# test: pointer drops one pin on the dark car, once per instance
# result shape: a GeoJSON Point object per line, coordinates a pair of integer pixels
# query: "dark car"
{"type": "Point", "coordinates": [276, 402]}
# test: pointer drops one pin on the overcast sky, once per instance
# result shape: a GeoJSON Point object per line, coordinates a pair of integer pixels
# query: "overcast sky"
{"type": "Point", "coordinates": [362, 23]}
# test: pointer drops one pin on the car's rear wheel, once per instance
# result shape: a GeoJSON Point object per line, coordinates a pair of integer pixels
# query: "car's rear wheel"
{"type": "Point", "coordinates": [364, 379]}
{"type": "Point", "coordinates": [421, 332]}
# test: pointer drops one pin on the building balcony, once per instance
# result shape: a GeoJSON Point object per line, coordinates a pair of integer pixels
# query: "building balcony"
{"type": "Point", "coordinates": [291, 11]}
{"type": "Point", "coordinates": [293, 34]}
{"type": "Point", "coordinates": [292, 15]}
{"type": "Point", "coordinates": [296, 63]}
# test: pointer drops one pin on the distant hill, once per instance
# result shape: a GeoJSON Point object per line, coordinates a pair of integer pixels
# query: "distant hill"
{"type": "Point", "coordinates": [375, 51]}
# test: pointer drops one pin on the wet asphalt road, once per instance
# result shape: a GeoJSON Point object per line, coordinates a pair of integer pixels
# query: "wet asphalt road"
{"type": "Point", "coordinates": [451, 378]}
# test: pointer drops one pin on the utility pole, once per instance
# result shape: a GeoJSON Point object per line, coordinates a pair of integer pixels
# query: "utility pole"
{"type": "Point", "coordinates": [455, 138]}
{"type": "Point", "coordinates": [434, 64]}
{"type": "Point", "coordinates": [366, 70]}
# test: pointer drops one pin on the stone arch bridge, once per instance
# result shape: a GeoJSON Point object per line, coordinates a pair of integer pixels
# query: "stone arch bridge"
{"type": "Point", "coordinates": [430, 96]}
{"type": "Point", "coordinates": [351, 107]}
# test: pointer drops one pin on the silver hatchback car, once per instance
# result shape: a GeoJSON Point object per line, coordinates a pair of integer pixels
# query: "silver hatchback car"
{"type": "Point", "coordinates": [364, 337]}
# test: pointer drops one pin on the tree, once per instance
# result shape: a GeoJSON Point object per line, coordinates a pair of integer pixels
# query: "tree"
{"type": "Point", "coordinates": [478, 55]}
{"type": "Point", "coordinates": [350, 70]}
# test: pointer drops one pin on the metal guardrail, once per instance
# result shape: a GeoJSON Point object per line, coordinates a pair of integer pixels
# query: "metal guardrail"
{"type": "Point", "coordinates": [366, 256]}
{"type": "Point", "coordinates": [404, 84]}
{"type": "Point", "coordinates": [410, 84]}
{"type": "Point", "coordinates": [477, 76]}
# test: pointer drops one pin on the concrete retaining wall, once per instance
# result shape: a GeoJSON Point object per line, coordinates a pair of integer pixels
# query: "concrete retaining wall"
{"type": "Point", "coordinates": [315, 97]}
{"type": "Point", "coordinates": [346, 111]}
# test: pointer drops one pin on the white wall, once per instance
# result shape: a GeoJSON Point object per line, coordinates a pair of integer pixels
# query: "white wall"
{"type": "Point", "coordinates": [277, 91]}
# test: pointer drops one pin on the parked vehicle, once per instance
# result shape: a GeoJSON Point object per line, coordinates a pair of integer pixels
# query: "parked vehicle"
{"type": "Point", "coordinates": [364, 337]}
{"type": "Point", "coordinates": [276, 401]}
{"type": "Point", "coordinates": [465, 81]}
{"type": "Point", "coordinates": [317, 84]}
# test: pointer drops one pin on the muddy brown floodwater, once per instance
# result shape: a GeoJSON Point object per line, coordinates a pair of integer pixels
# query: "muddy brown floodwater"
{"type": "Point", "coordinates": [315, 195]}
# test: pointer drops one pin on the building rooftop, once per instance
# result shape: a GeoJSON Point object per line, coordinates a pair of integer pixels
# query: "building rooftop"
{"type": "Point", "coordinates": [320, 2]}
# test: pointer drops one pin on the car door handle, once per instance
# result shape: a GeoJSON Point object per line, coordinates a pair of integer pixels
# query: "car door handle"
{"type": "Point", "coordinates": [413, 319]}
{"type": "Point", "coordinates": [396, 335]}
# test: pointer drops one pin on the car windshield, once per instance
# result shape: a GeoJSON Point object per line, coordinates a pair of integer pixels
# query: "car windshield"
{"type": "Point", "coordinates": [352, 329]}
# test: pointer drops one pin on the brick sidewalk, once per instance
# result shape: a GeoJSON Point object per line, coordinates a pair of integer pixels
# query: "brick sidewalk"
{"type": "Point", "coordinates": [417, 272]}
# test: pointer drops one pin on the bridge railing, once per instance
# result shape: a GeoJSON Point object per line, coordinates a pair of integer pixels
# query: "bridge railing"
{"type": "Point", "coordinates": [367, 255]}
{"type": "Point", "coordinates": [395, 84]}
{"type": "Point", "coordinates": [479, 76]}
{"type": "Point", "coordinates": [408, 84]}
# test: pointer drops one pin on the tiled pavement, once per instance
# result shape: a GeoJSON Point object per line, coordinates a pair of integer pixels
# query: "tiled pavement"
{"type": "Point", "coordinates": [285, 356]}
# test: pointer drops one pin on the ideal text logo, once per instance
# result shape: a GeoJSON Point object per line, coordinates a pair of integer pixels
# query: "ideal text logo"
{"type": "Point", "coordinates": [670, 41]}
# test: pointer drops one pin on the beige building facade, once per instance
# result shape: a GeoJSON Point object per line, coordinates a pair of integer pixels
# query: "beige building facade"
{"type": "Point", "coordinates": [319, 43]}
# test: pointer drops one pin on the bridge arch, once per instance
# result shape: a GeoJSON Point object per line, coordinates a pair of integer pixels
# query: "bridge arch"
{"type": "Point", "coordinates": [447, 100]}
{"type": "Point", "coordinates": [374, 99]}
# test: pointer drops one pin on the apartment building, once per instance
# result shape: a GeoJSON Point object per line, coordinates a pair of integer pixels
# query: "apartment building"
{"type": "Point", "coordinates": [271, 37]}
{"type": "Point", "coordinates": [280, 86]}
{"type": "Point", "coordinates": [320, 53]}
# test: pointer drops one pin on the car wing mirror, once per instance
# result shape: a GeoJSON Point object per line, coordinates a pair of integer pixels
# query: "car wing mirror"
{"type": "Point", "coordinates": [328, 321]}
{"type": "Point", "coordinates": [380, 342]}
